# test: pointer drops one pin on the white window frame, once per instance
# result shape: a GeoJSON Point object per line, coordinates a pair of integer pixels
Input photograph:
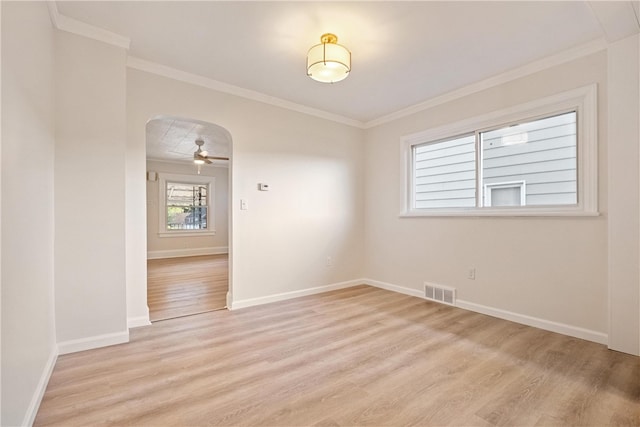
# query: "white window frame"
{"type": "Point", "coordinates": [583, 100]}
{"type": "Point", "coordinates": [163, 179]}
{"type": "Point", "coordinates": [488, 188]}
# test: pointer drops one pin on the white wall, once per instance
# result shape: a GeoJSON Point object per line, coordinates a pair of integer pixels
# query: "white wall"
{"type": "Point", "coordinates": [90, 193]}
{"type": "Point", "coordinates": [157, 246]}
{"type": "Point", "coordinates": [28, 335]}
{"type": "Point", "coordinates": [135, 222]}
{"type": "Point", "coordinates": [314, 167]}
{"type": "Point", "coordinates": [549, 268]}
{"type": "Point", "coordinates": [624, 192]}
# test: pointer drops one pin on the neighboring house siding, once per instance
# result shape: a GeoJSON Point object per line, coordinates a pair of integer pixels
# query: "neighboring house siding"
{"type": "Point", "coordinates": [544, 167]}
{"type": "Point", "coordinates": [446, 174]}
{"type": "Point", "coordinates": [546, 163]}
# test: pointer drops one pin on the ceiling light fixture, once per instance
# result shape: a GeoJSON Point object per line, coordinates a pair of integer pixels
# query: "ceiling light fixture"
{"type": "Point", "coordinates": [328, 62]}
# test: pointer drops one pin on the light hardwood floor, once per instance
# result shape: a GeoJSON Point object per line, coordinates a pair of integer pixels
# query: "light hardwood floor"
{"type": "Point", "coordinates": [359, 356]}
{"type": "Point", "coordinates": [184, 286]}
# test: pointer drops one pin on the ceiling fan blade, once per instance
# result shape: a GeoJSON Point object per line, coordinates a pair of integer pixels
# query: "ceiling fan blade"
{"type": "Point", "coordinates": [204, 153]}
{"type": "Point", "coordinates": [215, 158]}
{"type": "Point", "coordinates": [207, 161]}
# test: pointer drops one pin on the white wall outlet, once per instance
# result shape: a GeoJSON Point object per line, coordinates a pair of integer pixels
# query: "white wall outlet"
{"type": "Point", "coordinates": [329, 262]}
{"type": "Point", "coordinates": [243, 204]}
{"type": "Point", "coordinates": [471, 274]}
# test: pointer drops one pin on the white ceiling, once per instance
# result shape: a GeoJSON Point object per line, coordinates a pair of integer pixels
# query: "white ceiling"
{"type": "Point", "coordinates": [174, 139]}
{"type": "Point", "coordinates": [403, 53]}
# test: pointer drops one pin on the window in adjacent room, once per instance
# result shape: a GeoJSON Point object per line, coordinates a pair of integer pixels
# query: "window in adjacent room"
{"type": "Point", "coordinates": [186, 205]}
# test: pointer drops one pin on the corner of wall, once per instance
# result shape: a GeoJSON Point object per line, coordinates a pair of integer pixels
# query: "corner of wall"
{"type": "Point", "coordinates": [38, 393]}
{"type": "Point", "coordinates": [623, 136]}
{"type": "Point", "coordinates": [138, 321]}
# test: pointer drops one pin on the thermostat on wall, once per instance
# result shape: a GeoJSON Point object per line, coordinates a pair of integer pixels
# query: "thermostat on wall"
{"type": "Point", "coordinates": [263, 187]}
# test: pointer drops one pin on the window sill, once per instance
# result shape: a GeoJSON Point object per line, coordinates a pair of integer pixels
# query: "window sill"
{"type": "Point", "coordinates": [500, 213]}
{"type": "Point", "coordinates": [183, 233]}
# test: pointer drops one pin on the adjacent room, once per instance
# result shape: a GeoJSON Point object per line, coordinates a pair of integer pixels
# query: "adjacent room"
{"type": "Point", "coordinates": [187, 218]}
{"type": "Point", "coordinates": [320, 213]}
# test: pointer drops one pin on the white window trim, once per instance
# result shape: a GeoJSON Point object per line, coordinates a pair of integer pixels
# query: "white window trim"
{"type": "Point", "coordinates": [511, 184]}
{"type": "Point", "coordinates": [163, 178]}
{"type": "Point", "coordinates": [583, 100]}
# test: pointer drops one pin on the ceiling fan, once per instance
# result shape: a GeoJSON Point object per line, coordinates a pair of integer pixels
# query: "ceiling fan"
{"type": "Point", "coordinates": [201, 157]}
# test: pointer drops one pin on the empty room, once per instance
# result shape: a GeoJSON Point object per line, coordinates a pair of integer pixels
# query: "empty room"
{"type": "Point", "coordinates": [320, 213]}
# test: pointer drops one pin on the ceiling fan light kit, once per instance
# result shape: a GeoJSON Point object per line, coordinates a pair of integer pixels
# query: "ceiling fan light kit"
{"type": "Point", "coordinates": [328, 62]}
{"type": "Point", "coordinates": [200, 156]}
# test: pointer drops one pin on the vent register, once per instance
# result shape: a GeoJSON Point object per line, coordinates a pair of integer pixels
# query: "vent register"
{"type": "Point", "coordinates": [439, 293]}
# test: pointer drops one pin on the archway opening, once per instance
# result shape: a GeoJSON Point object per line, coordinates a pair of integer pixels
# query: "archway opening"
{"type": "Point", "coordinates": [188, 217]}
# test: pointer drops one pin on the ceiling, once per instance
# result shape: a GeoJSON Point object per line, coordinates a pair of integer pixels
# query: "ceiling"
{"type": "Point", "coordinates": [403, 53]}
{"type": "Point", "coordinates": [174, 139]}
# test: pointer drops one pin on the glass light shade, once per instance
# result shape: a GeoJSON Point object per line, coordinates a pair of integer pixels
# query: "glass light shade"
{"type": "Point", "coordinates": [328, 62]}
{"type": "Point", "coordinates": [198, 161]}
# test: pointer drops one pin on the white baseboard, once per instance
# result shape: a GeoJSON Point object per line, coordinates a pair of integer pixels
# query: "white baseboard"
{"type": "Point", "coordinates": [179, 253]}
{"type": "Point", "coordinates": [547, 325]}
{"type": "Point", "coordinates": [394, 288]}
{"type": "Point", "coordinates": [136, 322]}
{"type": "Point", "coordinates": [73, 346]}
{"type": "Point", "coordinates": [34, 405]}
{"type": "Point", "coordinates": [293, 294]}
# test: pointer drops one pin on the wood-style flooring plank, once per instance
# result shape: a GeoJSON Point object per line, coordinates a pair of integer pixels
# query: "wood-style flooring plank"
{"type": "Point", "coordinates": [358, 356]}
{"type": "Point", "coordinates": [184, 286]}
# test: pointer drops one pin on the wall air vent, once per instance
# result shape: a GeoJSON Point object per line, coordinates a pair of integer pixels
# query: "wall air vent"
{"type": "Point", "coordinates": [439, 293]}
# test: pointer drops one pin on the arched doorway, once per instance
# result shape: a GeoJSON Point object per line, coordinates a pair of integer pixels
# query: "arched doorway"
{"type": "Point", "coordinates": [188, 217]}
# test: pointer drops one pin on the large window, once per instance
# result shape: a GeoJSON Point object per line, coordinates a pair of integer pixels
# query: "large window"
{"type": "Point", "coordinates": [185, 205]}
{"type": "Point", "coordinates": [535, 159]}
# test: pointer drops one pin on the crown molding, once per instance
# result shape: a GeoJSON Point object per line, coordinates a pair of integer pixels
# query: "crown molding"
{"type": "Point", "coordinates": [516, 73]}
{"type": "Point", "coordinates": [186, 77]}
{"type": "Point", "coordinates": [74, 26]}
{"type": "Point", "coordinates": [70, 25]}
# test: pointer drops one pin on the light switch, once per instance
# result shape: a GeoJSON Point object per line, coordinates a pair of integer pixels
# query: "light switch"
{"type": "Point", "coordinates": [243, 204]}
